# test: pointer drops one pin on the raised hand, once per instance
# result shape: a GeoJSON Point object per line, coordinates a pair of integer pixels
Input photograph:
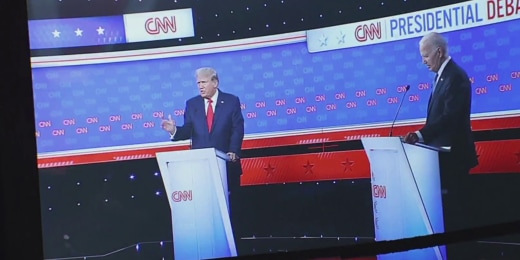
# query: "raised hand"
{"type": "Point", "coordinates": [169, 125]}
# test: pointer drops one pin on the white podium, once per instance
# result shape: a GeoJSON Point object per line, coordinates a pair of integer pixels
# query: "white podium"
{"type": "Point", "coordinates": [406, 193]}
{"type": "Point", "coordinates": [196, 184]}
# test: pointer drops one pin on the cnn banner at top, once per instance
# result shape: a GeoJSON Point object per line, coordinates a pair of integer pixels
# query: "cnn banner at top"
{"type": "Point", "coordinates": [104, 30]}
{"type": "Point", "coordinates": [416, 24]}
{"type": "Point", "coordinates": [159, 25]}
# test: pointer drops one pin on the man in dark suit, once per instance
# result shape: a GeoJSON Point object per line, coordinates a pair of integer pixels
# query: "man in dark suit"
{"type": "Point", "coordinates": [448, 124]}
{"type": "Point", "coordinates": [214, 120]}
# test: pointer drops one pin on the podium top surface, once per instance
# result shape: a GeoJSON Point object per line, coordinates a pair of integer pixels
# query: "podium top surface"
{"type": "Point", "coordinates": [400, 139]}
{"type": "Point", "coordinates": [438, 149]}
{"type": "Point", "coordinates": [195, 153]}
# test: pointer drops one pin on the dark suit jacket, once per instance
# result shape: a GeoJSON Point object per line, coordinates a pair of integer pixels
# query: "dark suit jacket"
{"type": "Point", "coordinates": [227, 133]}
{"type": "Point", "coordinates": [448, 119]}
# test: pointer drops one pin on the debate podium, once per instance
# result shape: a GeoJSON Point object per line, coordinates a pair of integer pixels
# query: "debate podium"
{"type": "Point", "coordinates": [196, 185]}
{"type": "Point", "coordinates": [406, 193]}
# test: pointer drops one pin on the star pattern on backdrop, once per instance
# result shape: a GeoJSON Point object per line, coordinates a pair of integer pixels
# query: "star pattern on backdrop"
{"type": "Point", "coordinates": [323, 40]}
{"type": "Point", "coordinates": [341, 37]}
{"type": "Point", "coordinates": [56, 33]}
{"type": "Point", "coordinates": [347, 164]}
{"type": "Point", "coordinates": [269, 170]}
{"type": "Point", "coordinates": [100, 30]}
{"type": "Point", "coordinates": [308, 168]}
{"type": "Point", "coordinates": [78, 32]}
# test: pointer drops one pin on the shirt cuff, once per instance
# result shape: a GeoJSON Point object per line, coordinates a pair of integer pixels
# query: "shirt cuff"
{"type": "Point", "coordinates": [173, 135]}
{"type": "Point", "coordinates": [420, 136]}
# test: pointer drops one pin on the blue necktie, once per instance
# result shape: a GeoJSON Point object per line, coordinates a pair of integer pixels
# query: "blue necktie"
{"type": "Point", "coordinates": [433, 90]}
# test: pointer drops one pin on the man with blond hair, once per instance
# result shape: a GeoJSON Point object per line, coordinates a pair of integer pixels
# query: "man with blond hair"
{"type": "Point", "coordinates": [214, 119]}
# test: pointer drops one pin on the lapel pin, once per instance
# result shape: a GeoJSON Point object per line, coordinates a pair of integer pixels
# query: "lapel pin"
{"type": "Point", "coordinates": [222, 102]}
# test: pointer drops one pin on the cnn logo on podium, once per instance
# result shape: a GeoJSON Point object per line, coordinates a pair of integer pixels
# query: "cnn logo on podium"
{"type": "Point", "coordinates": [179, 196]}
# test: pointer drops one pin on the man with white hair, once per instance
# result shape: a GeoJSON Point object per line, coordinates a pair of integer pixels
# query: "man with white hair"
{"type": "Point", "coordinates": [448, 124]}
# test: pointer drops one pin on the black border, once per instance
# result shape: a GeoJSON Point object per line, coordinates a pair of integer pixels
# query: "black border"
{"type": "Point", "coordinates": [19, 190]}
{"type": "Point", "coordinates": [19, 194]}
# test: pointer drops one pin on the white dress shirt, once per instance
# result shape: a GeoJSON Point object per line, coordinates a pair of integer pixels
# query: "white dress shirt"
{"type": "Point", "coordinates": [214, 99]}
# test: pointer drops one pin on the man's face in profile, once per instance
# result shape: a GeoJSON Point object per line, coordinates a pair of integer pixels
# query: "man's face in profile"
{"type": "Point", "coordinates": [431, 57]}
{"type": "Point", "coordinates": [207, 86]}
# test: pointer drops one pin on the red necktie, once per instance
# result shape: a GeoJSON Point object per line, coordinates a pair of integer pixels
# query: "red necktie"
{"type": "Point", "coordinates": [209, 115]}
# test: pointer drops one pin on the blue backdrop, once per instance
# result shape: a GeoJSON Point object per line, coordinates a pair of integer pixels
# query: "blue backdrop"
{"type": "Point", "coordinates": [282, 88]}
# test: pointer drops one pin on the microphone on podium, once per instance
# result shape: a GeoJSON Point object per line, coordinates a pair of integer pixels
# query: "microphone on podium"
{"type": "Point", "coordinates": [398, 109]}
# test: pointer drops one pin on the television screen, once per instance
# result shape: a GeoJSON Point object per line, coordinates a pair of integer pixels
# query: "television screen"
{"type": "Point", "coordinates": [312, 82]}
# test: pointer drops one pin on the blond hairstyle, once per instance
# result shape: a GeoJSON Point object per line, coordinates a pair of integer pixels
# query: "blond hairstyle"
{"type": "Point", "coordinates": [207, 71]}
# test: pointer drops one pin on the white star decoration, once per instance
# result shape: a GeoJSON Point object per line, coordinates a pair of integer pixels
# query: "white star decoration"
{"type": "Point", "coordinates": [341, 38]}
{"type": "Point", "coordinates": [56, 33]}
{"type": "Point", "coordinates": [78, 32]}
{"type": "Point", "coordinates": [100, 30]}
{"type": "Point", "coordinates": [323, 40]}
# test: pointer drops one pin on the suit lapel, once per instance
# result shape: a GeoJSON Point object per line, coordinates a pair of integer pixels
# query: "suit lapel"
{"type": "Point", "coordinates": [439, 87]}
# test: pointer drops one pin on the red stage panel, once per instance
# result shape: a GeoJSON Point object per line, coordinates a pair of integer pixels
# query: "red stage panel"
{"type": "Point", "coordinates": [495, 156]}
{"type": "Point", "coordinates": [498, 157]}
{"type": "Point", "coordinates": [477, 125]}
{"type": "Point", "coordinates": [305, 167]}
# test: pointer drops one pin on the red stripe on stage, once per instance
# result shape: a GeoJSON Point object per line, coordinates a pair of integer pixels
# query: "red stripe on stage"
{"type": "Point", "coordinates": [305, 167]}
{"type": "Point", "coordinates": [104, 157]}
{"type": "Point", "coordinates": [477, 125]}
{"type": "Point", "coordinates": [495, 156]}
{"type": "Point", "coordinates": [498, 157]}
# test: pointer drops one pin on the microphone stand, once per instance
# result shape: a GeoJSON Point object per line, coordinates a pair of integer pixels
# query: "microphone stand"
{"type": "Point", "coordinates": [398, 109]}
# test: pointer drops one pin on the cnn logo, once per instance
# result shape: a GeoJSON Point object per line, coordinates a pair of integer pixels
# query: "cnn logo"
{"type": "Point", "coordinates": [379, 191]}
{"type": "Point", "coordinates": [156, 25]}
{"type": "Point", "coordinates": [178, 196]}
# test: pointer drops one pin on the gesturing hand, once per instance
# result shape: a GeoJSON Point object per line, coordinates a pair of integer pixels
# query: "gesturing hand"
{"type": "Point", "coordinates": [169, 124]}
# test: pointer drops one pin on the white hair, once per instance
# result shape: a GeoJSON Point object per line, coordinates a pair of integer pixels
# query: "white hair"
{"type": "Point", "coordinates": [207, 71]}
{"type": "Point", "coordinates": [435, 40]}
